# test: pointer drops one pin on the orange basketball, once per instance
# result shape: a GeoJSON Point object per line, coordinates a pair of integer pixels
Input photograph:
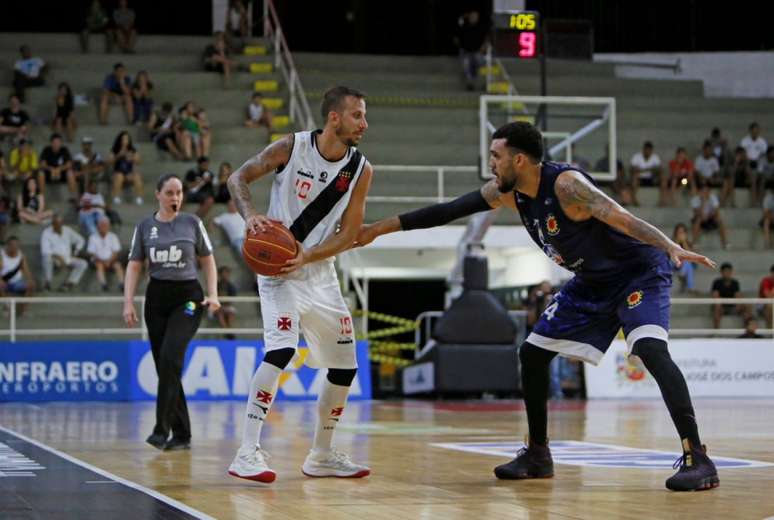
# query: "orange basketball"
{"type": "Point", "coordinates": [267, 251]}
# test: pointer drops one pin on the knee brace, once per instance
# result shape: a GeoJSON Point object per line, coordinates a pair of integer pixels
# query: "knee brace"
{"type": "Point", "coordinates": [341, 376]}
{"type": "Point", "coordinates": [280, 357]}
{"type": "Point", "coordinates": [651, 350]}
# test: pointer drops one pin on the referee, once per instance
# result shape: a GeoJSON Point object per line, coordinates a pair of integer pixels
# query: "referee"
{"type": "Point", "coordinates": [171, 242]}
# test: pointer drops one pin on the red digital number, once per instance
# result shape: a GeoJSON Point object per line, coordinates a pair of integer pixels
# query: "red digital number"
{"type": "Point", "coordinates": [527, 42]}
{"type": "Point", "coordinates": [302, 188]}
{"type": "Point", "coordinates": [346, 325]}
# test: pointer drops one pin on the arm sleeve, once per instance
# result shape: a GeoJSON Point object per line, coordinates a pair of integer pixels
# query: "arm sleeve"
{"type": "Point", "coordinates": [445, 212]}
{"type": "Point", "coordinates": [136, 250]}
{"type": "Point", "coordinates": [203, 244]}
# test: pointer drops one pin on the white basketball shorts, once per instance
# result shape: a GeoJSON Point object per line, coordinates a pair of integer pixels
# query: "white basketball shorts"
{"type": "Point", "coordinates": [308, 301]}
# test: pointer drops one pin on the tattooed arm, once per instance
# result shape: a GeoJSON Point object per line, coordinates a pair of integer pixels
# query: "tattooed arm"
{"type": "Point", "coordinates": [272, 157]}
{"type": "Point", "coordinates": [581, 200]}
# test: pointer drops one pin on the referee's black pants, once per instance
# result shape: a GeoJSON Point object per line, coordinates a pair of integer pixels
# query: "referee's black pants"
{"type": "Point", "coordinates": [173, 312]}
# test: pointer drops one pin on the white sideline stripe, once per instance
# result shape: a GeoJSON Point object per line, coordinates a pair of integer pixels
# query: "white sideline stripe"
{"type": "Point", "coordinates": [155, 494]}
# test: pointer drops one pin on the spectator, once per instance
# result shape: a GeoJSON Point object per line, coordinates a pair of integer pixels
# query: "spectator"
{"type": "Point", "coordinates": [15, 276]}
{"type": "Point", "coordinates": [56, 165]}
{"type": "Point", "coordinates": [741, 177]}
{"type": "Point", "coordinates": [471, 41]}
{"type": "Point", "coordinates": [768, 214]}
{"type": "Point", "coordinates": [194, 133]}
{"type": "Point", "coordinates": [646, 170]}
{"type": "Point", "coordinates": [104, 249]}
{"type": "Point", "coordinates": [29, 71]}
{"type": "Point", "coordinates": [124, 31]}
{"type": "Point", "coordinates": [226, 313]}
{"type": "Point", "coordinates": [4, 180]}
{"type": "Point", "coordinates": [720, 147]}
{"type": "Point", "coordinates": [13, 120]}
{"type": "Point", "coordinates": [59, 246]}
{"type": "Point", "coordinates": [5, 208]}
{"type": "Point", "coordinates": [686, 270]}
{"type": "Point", "coordinates": [91, 209]}
{"type": "Point", "coordinates": [766, 290]}
{"type": "Point", "coordinates": [754, 145]}
{"type": "Point", "coordinates": [216, 58]}
{"type": "Point", "coordinates": [125, 158]}
{"type": "Point", "coordinates": [706, 214]}
{"type": "Point", "coordinates": [141, 97]}
{"type": "Point", "coordinates": [116, 87]}
{"type": "Point", "coordinates": [88, 165]}
{"type": "Point", "coordinates": [199, 186]}
{"type": "Point", "coordinates": [31, 204]}
{"type": "Point", "coordinates": [23, 161]}
{"type": "Point", "coordinates": [233, 225]}
{"type": "Point", "coordinates": [222, 195]}
{"type": "Point", "coordinates": [707, 166]}
{"type": "Point", "coordinates": [727, 287]}
{"type": "Point", "coordinates": [64, 121]}
{"type": "Point", "coordinates": [236, 25]}
{"type": "Point", "coordinates": [258, 115]}
{"type": "Point", "coordinates": [681, 174]}
{"type": "Point", "coordinates": [765, 173]}
{"type": "Point", "coordinates": [751, 329]}
{"type": "Point", "coordinates": [163, 128]}
{"type": "Point", "coordinates": [97, 21]}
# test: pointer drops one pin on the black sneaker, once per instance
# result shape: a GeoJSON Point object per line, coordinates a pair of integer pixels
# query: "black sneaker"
{"type": "Point", "coordinates": [697, 472]}
{"type": "Point", "coordinates": [157, 440]}
{"type": "Point", "coordinates": [532, 461]}
{"type": "Point", "coordinates": [175, 444]}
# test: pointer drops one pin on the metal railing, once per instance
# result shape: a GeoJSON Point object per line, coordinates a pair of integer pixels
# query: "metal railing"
{"type": "Point", "coordinates": [440, 171]}
{"type": "Point", "coordinates": [298, 110]}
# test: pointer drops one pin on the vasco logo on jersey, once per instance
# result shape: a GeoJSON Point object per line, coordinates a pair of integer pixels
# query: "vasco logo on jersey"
{"type": "Point", "coordinates": [342, 180]}
{"type": "Point", "coordinates": [552, 225]}
{"type": "Point", "coordinates": [634, 299]}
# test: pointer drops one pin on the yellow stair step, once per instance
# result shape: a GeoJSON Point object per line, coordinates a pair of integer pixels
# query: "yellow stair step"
{"type": "Point", "coordinates": [276, 137]}
{"type": "Point", "coordinates": [495, 70]}
{"type": "Point", "coordinates": [273, 103]}
{"type": "Point", "coordinates": [499, 87]}
{"type": "Point", "coordinates": [524, 118]}
{"type": "Point", "coordinates": [266, 85]}
{"type": "Point", "coordinates": [261, 68]}
{"type": "Point", "coordinates": [255, 50]}
{"type": "Point", "coordinates": [280, 121]}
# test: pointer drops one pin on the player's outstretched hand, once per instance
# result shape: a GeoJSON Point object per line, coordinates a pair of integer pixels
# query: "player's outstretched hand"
{"type": "Point", "coordinates": [257, 223]}
{"type": "Point", "coordinates": [294, 263]}
{"type": "Point", "coordinates": [366, 235]}
{"type": "Point", "coordinates": [678, 255]}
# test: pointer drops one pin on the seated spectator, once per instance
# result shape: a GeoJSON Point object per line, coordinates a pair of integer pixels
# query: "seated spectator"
{"type": "Point", "coordinates": [727, 287]}
{"type": "Point", "coordinates": [471, 41]}
{"type": "Point", "coordinates": [31, 204]}
{"type": "Point", "coordinates": [5, 209]}
{"type": "Point", "coordinates": [226, 313]}
{"type": "Point", "coordinates": [646, 171]}
{"type": "Point", "coordinates": [104, 249]}
{"type": "Point", "coordinates": [29, 71]}
{"type": "Point", "coordinates": [97, 22]}
{"type": "Point", "coordinates": [680, 174]}
{"type": "Point", "coordinates": [768, 214]}
{"type": "Point", "coordinates": [123, 27]}
{"type": "Point", "coordinates": [766, 290]}
{"type": "Point", "coordinates": [216, 58]}
{"type": "Point", "coordinates": [15, 276]}
{"type": "Point", "coordinates": [236, 25]}
{"type": "Point", "coordinates": [56, 165]}
{"type": "Point", "coordinates": [765, 173]}
{"type": "Point", "coordinates": [163, 129]}
{"type": "Point", "coordinates": [13, 120]}
{"type": "Point", "coordinates": [222, 195]}
{"type": "Point", "coordinates": [686, 270]}
{"type": "Point", "coordinates": [258, 115]}
{"type": "Point", "coordinates": [91, 209]}
{"type": "Point", "coordinates": [141, 97]}
{"type": "Point", "coordinates": [751, 329]}
{"type": "Point", "coordinates": [707, 166]}
{"type": "Point", "coordinates": [720, 147]}
{"type": "Point", "coordinates": [125, 158]}
{"type": "Point", "coordinates": [194, 133]}
{"type": "Point", "coordinates": [116, 87]}
{"type": "Point", "coordinates": [233, 225]}
{"type": "Point", "coordinates": [620, 187]}
{"type": "Point", "coordinates": [64, 121]}
{"type": "Point", "coordinates": [88, 165]}
{"type": "Point", "coordinates": [23, 161]}
{"type": "Point", "coordinates": [741, 176]}
{"type": "Point", "coordinates": [706, 214]}
{"type": "Point", "coordinates": [4, 179]}
{"type": "Point", "coordinates": [200, 186]}
{"type": "Point", "coordinates": [59, 247]}
{"type": "Point", "coordinates": [754, 145]}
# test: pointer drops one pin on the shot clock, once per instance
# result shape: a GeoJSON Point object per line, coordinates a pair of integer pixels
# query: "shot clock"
{"type": "Point", "coordinates": [516, 34]}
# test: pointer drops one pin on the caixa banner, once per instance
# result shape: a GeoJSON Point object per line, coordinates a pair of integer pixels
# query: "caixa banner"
{"type": "Point", "coordinates": [124, 371]}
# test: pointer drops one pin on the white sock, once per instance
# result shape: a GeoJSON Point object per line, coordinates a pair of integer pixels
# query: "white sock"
{"type": "Point", "coordinates": [330, 408]}
{"type": "Point", "coordinates": [263, 388]}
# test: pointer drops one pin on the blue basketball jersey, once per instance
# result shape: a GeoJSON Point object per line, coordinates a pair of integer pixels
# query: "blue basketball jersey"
{"type": "Point", "coordinates": [594, 251]}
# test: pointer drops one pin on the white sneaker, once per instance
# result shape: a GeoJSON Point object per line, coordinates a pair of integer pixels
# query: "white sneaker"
{"type": "Point", "coordinates": [333, 464]}
{"type": "Point", "coordinates": [252, 466]}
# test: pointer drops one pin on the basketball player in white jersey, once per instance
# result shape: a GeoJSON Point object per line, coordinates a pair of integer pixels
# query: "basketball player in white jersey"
{"type": "Point", "coordinates": [319, 192]}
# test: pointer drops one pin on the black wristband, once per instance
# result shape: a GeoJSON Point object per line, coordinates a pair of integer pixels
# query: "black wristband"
{"type": "Point", "coordinates": [445, 212]}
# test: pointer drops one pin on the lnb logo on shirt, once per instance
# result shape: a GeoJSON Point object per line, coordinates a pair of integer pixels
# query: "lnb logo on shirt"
{"type": "Point", "coordinates": [168, 257]}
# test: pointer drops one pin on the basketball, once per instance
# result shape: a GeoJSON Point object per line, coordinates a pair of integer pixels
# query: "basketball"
{"type": "Point", "coordinates": [267, 251]}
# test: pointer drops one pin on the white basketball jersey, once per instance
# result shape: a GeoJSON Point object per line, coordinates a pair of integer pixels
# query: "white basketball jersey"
{"type": "Point", "coordinates": [309, 194]}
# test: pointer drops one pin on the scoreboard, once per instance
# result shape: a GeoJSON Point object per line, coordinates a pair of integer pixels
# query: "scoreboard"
{"type": "Point", "coordinates": [516, 34]}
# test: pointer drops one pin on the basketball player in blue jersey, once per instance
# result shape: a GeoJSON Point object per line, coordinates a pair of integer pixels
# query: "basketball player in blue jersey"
{"type": "Point", "coordinates": [623, 269]}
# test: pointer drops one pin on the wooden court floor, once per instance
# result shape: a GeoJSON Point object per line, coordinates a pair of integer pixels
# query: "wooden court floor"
{"type": "Point", "coordinates": [412, 476]}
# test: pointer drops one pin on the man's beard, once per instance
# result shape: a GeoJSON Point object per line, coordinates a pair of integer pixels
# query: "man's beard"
{"type": "Point", "coordinates": [505, 186]}
{"type": "Point", "coordinates": [349, 141]}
